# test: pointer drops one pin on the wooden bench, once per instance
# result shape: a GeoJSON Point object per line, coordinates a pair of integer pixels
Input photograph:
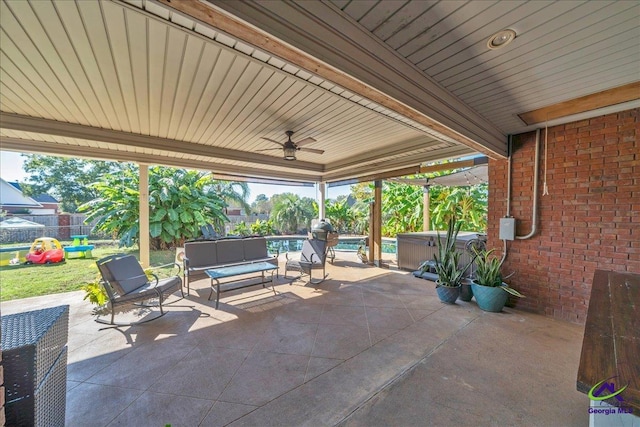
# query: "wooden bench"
{"type": "Point", "coordinates": [610, 356]}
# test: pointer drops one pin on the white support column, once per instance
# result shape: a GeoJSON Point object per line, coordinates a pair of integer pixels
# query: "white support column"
{"type": "Point", "coordinates": [426, 202]}
{"type": "Point", "coordinates": [321, 198]}
{"type": "Point", "coordinates": [144, 214]}
{"type": "Point", "coordinates": [375, 250]}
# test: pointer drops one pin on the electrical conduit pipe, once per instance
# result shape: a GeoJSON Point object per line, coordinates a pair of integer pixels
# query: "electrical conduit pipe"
{"type": "Point", "coordinates": [534, 215]}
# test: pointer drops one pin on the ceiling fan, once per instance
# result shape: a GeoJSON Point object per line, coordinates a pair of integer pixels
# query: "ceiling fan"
{"type": "Point", "coordinates": [289, 148]}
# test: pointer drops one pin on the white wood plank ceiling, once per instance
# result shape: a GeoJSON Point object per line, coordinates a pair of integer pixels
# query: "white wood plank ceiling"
{"type": "Point", "coordinates": [140, 80]}
{"type": "Point", "coordinates": [109, 80]}
{"type": "Point", "coordinates": [563, 49]}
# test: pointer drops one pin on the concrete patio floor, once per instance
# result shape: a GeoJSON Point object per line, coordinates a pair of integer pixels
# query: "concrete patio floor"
{"type": "Point", "coordinates": [367, 347]}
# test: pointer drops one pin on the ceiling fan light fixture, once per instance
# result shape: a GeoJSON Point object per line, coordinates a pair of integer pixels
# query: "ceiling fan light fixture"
{"type": "Point", "coordinates": [501, 39]}
{"type": "Point", "coordinates": [289, 153]}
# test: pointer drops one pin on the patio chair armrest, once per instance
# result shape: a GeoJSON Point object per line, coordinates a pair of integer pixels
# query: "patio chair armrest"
{"type": "Point", "coordinates": [155, 277]}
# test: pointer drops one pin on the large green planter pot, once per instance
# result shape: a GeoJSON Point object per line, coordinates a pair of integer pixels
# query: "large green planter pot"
{"type": "Point", "coordinates": [448, 295]}
{"type": "Point", "coordinates": [489, 298]}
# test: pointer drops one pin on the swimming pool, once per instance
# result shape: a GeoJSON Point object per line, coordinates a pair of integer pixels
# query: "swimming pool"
{"type": "Point", "coordinates": [348, 244]}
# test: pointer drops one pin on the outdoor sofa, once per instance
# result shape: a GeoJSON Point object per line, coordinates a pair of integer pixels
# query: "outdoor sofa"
{"type": "Point", "coordinates": [201, 255]}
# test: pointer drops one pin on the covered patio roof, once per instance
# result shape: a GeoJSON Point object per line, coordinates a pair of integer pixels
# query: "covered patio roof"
{"type": "Point", "coordinates": [380, 86]}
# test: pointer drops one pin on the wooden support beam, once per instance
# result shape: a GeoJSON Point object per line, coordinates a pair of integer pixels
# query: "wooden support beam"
{"type": "Point", "coordinates": [125, 140]}
{"type": "Point", "coordinates": [606, 98]}
{"type": "Point", "coordinates": [65, 150]}
{"type": "Point", "coordinates": [454, 165]}
{"type": "Point", "coordinates": [391, 174]}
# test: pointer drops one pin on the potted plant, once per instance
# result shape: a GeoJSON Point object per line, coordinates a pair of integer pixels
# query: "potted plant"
{"type": "Point", "coordinates": [490, 291]}
{"type": "Point", "coordinates": [446, 264]}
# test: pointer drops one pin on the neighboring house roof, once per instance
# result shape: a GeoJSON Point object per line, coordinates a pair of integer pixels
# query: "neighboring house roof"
{"type": "Point", "coordinates": [19, 223]}
{"type": "Point", "coordinates": [16, 185]}
{"type": "Point", "coordinates": [10, 196]}
{"type": "Point", "coordinates": [45, 198]}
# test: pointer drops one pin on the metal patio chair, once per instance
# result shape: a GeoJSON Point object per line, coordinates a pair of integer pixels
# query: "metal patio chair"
{"type": "Point", "coordinates": [126, 283]}
{"type": "Point", "coordinates": [312, 257]}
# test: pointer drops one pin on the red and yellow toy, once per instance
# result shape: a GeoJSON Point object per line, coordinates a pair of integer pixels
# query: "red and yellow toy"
{"type": "Point", "coordinates": [45, 250]}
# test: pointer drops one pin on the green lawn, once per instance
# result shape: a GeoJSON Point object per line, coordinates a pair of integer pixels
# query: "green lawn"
{"type": "Point", "coordinates": [23, 281]}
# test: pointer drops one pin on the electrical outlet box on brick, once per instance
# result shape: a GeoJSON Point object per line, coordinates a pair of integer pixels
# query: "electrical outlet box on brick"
{"type": "Point", "coordinates": [507, 228]}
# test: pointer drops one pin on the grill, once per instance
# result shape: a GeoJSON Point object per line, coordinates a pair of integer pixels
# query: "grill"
{"type": "Point", "coordinates": [324, 231]}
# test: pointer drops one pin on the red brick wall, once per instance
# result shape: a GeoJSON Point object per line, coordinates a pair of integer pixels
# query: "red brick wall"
{"type": "Point", "coordinates": [64, 224]}
{"type": "Point", "coordinates": [590, 219]}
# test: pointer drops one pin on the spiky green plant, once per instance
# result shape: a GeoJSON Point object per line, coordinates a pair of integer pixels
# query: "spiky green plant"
{"type": "Point", "coordinates": [447, 257]}
{"type": "Point", "coordinates": [488, 272]}
{"type": "Point", "coordinates": [488, 269]}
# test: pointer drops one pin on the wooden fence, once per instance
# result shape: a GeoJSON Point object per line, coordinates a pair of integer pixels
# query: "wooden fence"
{"type": "Point", "coordinates": [60, 227]}
{"type": "Point", "coordinates": [63, 226]}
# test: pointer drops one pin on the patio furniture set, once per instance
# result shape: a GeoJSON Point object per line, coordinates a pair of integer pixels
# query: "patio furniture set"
{"type": "Point", "coordinates": [239, 260]}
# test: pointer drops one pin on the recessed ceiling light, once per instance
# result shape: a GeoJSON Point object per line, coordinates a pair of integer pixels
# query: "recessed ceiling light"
{"type": "Point", "coordinates": [501, 39]}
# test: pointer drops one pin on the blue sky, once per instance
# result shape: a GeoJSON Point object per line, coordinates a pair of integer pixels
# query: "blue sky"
{"type": "Point", "coordinates": [11, 170]}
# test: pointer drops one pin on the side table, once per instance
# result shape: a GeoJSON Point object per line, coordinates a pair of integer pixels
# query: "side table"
{"type": "Point", "coordinates": [34, 358]}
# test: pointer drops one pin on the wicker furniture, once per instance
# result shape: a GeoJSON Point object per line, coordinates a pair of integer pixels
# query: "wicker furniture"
{"type": "Point", "coordinates": [126, 283]}
{"type": "Point", "coordinates": [34, 359]}
{"type": "Point", "coordinates": [312, 257]}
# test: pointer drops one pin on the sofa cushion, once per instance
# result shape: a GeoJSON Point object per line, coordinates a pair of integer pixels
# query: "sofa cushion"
{"type": "Point", "coordinates": [201, 254]}
{"type": "Point", "coordinates": [127, 273]}
{"type": "Point", "coordinates": [230, 251]}
{"type": "Point", "coordinates": [255, 248]}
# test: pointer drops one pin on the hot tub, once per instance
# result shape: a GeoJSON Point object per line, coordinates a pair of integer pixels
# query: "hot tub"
{"type": "Point", "coordinates": [415, 248]}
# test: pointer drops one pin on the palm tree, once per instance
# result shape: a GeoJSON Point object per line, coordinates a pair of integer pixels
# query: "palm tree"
{"type": "Point", "coordinates": [290, 212]}
{"type": "Point", "coordinates": [233, 192]}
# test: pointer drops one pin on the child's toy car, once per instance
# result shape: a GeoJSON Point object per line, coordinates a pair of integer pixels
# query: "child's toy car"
{"type": "Point", "coordinates": [45, 250]}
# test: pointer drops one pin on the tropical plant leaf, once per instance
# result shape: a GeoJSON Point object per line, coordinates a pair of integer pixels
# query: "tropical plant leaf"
{"type": "Point", "coordinates": [512, 291]}
{"type": "Point", "coordinates": [155, 229]}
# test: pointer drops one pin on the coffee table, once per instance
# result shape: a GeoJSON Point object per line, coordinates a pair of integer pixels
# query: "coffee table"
{"type": "Point", "coordinates": [239, 270]}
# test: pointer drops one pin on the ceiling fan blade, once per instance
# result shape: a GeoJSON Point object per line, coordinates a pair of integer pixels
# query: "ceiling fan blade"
{"type": "Point", "coordinates": [312, 150]}
{"type": "Point", "coordinates": [269, 149]}
{"type": "Point", "coordinates": [305, 142]}
{"type": "Point", "coordinates": [275, 142]}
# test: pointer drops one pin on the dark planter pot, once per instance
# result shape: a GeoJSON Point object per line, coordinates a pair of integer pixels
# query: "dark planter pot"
{"type": "Point", "coordinates": [448, 295]}
{"type": "Point", "coordinates": [466, 293]}
{"type": "Point", "coordinates": [489, 298]}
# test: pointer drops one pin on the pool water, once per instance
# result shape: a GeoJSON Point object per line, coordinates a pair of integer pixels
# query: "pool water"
{"type": "Point", "coordinates": [294, 243]}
